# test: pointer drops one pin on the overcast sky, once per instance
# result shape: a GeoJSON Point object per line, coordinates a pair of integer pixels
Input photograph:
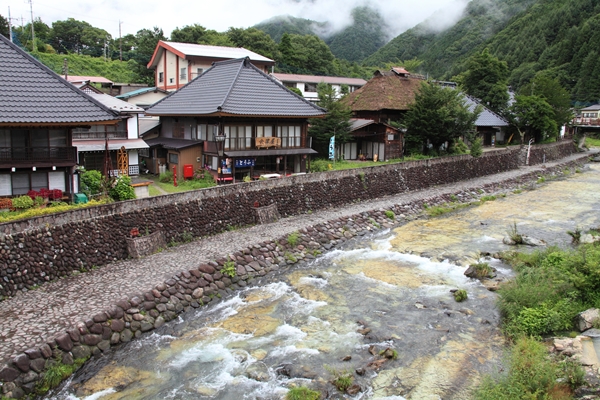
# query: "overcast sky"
{"type": "Point", "coordinates": [222, 14]}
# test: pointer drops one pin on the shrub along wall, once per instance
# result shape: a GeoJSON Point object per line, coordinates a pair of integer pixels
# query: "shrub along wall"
{"type": "Point", "coordinates": [45, 248]}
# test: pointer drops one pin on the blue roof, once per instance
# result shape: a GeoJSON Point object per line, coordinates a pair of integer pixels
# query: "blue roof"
{"type": "Point", "coordinates": [137, 92]}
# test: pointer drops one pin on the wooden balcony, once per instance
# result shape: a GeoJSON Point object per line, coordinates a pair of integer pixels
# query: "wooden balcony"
{"type": "Point", "coordinates": [99, 135]}
{"type": "Point", "coordinates": [40, 156]}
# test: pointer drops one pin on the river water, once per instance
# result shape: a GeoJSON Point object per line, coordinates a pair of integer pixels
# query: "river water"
{"type": "Point", "coordinates": [339, 313]}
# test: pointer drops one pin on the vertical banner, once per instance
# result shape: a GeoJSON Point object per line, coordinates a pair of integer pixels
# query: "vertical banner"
{"type": "Point", "coordinates": [332, 148]}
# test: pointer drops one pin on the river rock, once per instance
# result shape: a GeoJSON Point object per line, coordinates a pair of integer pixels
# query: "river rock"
{"type": "Point", "coordinates": [588, 238]}
{"type": "Point", "coordinates": [258, 371]}
{"type": "Point", "coordinates": [530, 241]}
{"type": "Point", "coordinates": [586, 319]}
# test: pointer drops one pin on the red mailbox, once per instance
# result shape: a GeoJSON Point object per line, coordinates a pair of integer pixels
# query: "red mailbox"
{"type": "Point", "coordinates": [188, 171]}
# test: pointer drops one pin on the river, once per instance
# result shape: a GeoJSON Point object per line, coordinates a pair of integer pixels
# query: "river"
{"type": "Point", "coordinates": [338, 314]}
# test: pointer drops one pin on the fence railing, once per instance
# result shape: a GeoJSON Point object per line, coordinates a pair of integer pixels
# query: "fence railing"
{"type": "Point", "coordinates": [41, 154]}
{"type": "Point", "coordinates": [99, 135]}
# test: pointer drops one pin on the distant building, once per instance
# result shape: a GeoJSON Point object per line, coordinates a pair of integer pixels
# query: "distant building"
{"type": "Point", "coordinates": [176, 64]}
{"type": "Point", "coordinates": [307, 84]}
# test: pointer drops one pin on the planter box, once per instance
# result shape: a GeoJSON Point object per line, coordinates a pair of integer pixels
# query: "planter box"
{"type": "Point", "coordinates": [144, 245]}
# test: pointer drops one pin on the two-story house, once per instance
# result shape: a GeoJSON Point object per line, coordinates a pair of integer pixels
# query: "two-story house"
{"type": "Point", "coordinates": [122, 140]}
{"type": "Point", "coordinates": [262, 125]}
{"type": "Point", "coordinates": [307, 84]}
{"type": "Point", "coordinates": [176, 64]}
{"type": "Point", "coordinates": [38, 112]}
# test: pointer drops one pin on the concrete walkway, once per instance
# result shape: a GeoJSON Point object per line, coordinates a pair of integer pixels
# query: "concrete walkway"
{"type": "Point", "coordinates": [30, 318]}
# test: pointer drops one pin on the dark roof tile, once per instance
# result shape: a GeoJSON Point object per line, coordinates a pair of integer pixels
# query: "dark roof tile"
{"type": "Point", "coordinates": [32, 93]}
{"type": "Point", "coordinates": [235, 87]}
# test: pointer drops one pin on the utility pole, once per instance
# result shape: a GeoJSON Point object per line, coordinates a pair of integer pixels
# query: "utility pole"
{"type": "Point", "coordinates": [120, 43]}
{"type": "Point", "coordinates": [32, 30]}
{"type": "Point", "coordinates": [9, 26]}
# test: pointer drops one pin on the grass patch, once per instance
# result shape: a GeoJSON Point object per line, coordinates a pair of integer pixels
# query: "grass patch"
{"type": "Point", "coordinates": [532, 374]}
{"type": "Point", "coordinates": [7, 216]}
{"type": "Point", "coordinates": [541, 179]}
{"type": "Point", "coordinates": [482, 270]}
{"type": "Point", "coordinates": [444, 209]}
{"type": "Point", "coordinates": [342, 380]}
{"type": "Point", "coordinates": [592, 142]}
{"type": "Point", "coordinates": [58, 372]}
{"type": "Point", "coordinates": [293, 239]}
{"type": "Point", "coordinates": [514, 234]}
{"type": "Point", "coordinates": [229, 268]}
{"type": "Point", "coordinates": [390, 214]}
{"type": "Point", "coordinates": [483, 199]}
{"type": "Point", "coordinates": [153, 191]}
{"type": "Point", "coordinates": [183, 185]}
{"type": "Point", "coordinates": [551, 287]}
{"type": "Point", "coordinates": [461, 295]}
{"type": "Point", "coordinates": [302, 393]}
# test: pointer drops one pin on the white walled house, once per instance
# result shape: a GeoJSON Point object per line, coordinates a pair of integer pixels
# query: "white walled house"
{"type": "Point", "coordinates": [176, 64]}
{"type": "Point", "coordinates": [308, 83]}
{"type": "Point", "coordinates": [123, 139]}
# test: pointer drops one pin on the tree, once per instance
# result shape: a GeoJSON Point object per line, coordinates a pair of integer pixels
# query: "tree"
{"type": "Point", "coordinates": [72, 36]}
{"type": "Point", "coordinates": [437, 116]}
{"type": "Point", "coordinates": [486, 78]}
{"type": "Point", "coordinates": [555, 95]}
{"type": "Point", "coordinates": [4, 27]}
{"type": "Point", "coordinates": [336, 122]}
{"type": "Point", "coordinates": [254, 40]}
{"type": "Point", "coordinates": [200, 35]}
{"type": "Point", "coordinates": [305, 54]}
{"type": "Point", "coordinates": [146, 41]}
{"type": "Point", "coordinates": [532, 115]}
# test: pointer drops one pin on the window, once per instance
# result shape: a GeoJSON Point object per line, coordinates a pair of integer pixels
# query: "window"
{"type": "Point", "coordinates": [206, 132]}
{"type": "Point", "coordinates": [310, 87]}
{"type": "Point", "coordinates": [22, 182]}
{"type": "Point", "coordinates": [173, 158]}
{"type": "Point", "coordinates": [290, 136]}
{"type": "Point", "coordinates": [178, 130]}
{"type": "Point", "coordinates": [238, 137]}
{"type": "Point", "coordinates": [144, 152]}
{"type": "Point", "coordinates": [183, 74]}
{"type": "Point", "coordinates": [200, 71]}
{"type": "Point", "coordinates": [161, 77]}
{"type": "Point", "coordinates": [264, 131]}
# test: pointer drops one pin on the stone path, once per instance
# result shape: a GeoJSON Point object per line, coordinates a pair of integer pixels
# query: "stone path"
{"type": "Point", "coordinates": [30, 318]}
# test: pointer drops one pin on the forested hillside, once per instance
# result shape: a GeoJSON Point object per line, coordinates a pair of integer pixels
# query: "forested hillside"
{"type": "Point", "coordinates": [558, 37]}
{"type": "Point", "coordinates": [277, 26]}
{"type": "Point", "coordinates": [440, 51]}
{"type": "Point", "coordinates": [362, 38]}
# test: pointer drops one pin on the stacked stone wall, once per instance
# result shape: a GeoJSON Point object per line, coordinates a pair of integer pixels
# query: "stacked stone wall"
{"type": "Point", "coordinates": [129, 318]}
{"type": "Point", "coordinates": [43, 249]}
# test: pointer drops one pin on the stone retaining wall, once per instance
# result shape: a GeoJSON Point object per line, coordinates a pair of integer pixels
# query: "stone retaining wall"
{"type": "Point", "coordinates": [42, 249]}
{"type": "Point", "coordinates": [130, 318]}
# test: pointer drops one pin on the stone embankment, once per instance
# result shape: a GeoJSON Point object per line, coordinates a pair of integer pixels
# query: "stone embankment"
{"type": "Point", "coordinates": [210, 280]}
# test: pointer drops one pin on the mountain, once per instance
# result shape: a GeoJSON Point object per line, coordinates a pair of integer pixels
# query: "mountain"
{"type": "Point", "coordinates": [365, 34]}
{"type": "Point", "coordinates": [277, 26]}
{"type": "Point", "coordinates": [363, 37]}
{"type": "Point", "coordinates": [440, 51]}
{"type": "Point", "coordinates": [556, 37]}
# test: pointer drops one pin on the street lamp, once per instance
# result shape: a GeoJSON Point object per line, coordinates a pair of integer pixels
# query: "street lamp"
{"type": "Point", "coordinates": [220, 141]}
{"type": "Point", "coordinates": [403, 130]}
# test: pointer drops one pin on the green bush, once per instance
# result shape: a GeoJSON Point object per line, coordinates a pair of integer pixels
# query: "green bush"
{"type": "Point", "coordinates": [166, 177]}
{"type": "Point", "coordinates": [302, 393]}
{"type": "Point", "coordinates": [293, 238]}
{"type": "Point", "coordinates": [91, 183]}
{"type": "Point", "coordinates": [122, 189]}
{"type": "Point", "coordinates": [22, 202]}
{"type": "Point", "coordinates": [532, 374]}
{"type": "Point", "coordinates": [458, 147]}
{"type": "Point", "coordinates": [320, 165]}
{"type": "Point", "coordinates": [476, 148]}
{"type": "Point", "coordinates": [460, 295]}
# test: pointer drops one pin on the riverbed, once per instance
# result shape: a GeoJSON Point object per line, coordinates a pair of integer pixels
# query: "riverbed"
{"type": "Point", "coordinates": [388, 294]}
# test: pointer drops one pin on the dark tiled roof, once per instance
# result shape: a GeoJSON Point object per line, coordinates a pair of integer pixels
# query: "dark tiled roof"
{"type": "Point", "coordinates": [487, 116]}
{"type": "Point", "coordinates": [384, 92]}
{"type": "Point", "coordinates": [30, 93]}
{"type": "Point", "coordinates": [171, 143]}
{"type": "Point", "coordinates": [237, 88]}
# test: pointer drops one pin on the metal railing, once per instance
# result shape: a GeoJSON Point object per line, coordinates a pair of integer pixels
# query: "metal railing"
{"type": "Point", "coordinates": [586, 121]}
{"type": "Point", "coordinates": [37, 154]}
